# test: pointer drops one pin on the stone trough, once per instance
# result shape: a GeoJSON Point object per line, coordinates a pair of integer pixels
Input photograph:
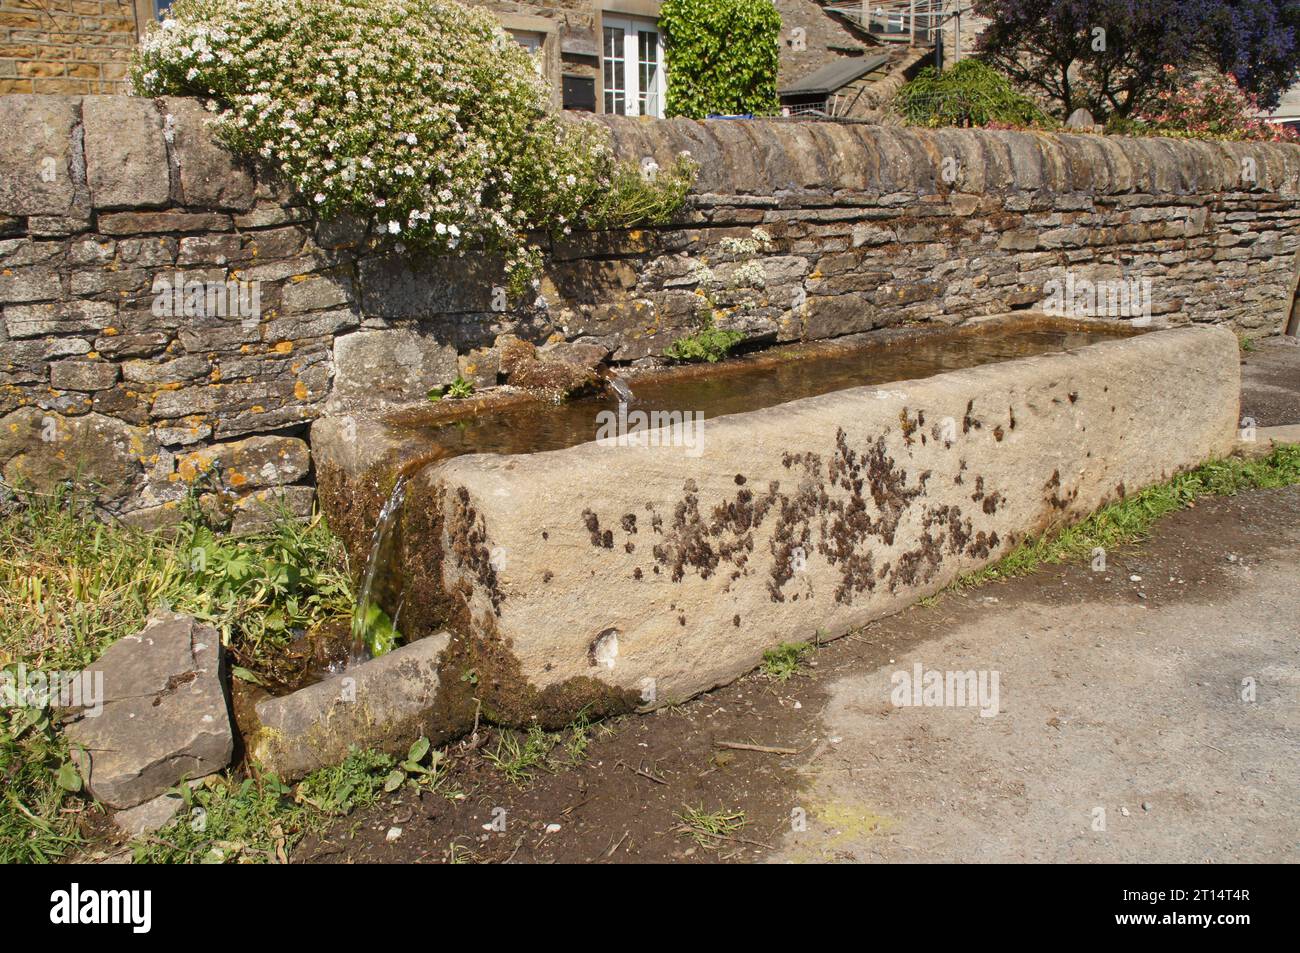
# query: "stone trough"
{"type": "Point", "coordinates": [612, 577]}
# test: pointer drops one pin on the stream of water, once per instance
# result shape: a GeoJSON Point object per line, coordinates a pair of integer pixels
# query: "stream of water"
{"type": "Point", "coordinates": [366, 614]}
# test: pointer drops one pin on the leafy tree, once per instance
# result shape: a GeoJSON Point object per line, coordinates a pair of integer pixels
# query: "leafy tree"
{"type": "Point", "coordinates": [1258, 42]}
{"type": "Point", "coordinates": [722, 56]}
{"type": "Point", "coordinates": [1109, 55]}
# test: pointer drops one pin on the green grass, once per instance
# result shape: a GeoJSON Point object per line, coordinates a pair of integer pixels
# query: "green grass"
{"type": "Point", "coordinates": [357, 782]}
{"type": "Point", "coordinates": [518, 758]}
{"type": "Point", "coordinates": [1130, 520]}
{"type": "Point", "coordinates": [37, 789]}
{"type": "Point", "coordinates": [519, 755]}
{"type": "Point", "coordinates": [710, 344]}
{"type": "Point", "coordinates": [784, 662]}
{"type": "Point", "coordinates": [226, 820]}
{"type": "Point", "coordinates": [71, 586]}
{"type": "Point", "coordinates": [709, 829]}
{"type": "Point", "coordinates": [259, 820]}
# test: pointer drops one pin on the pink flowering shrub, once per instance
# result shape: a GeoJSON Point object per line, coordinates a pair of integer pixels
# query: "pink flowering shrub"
{"type": "Point", "coordinates": [1208, 107]}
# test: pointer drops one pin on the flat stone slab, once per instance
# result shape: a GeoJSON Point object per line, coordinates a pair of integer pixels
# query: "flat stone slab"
{"type": "Point", "coordinates": [165, 717]}
{"type": "Point", "coordinates": [1267, 439]}
{"type": "Point", "coordinates": [150, 816]}
{"type": "Point", "coordinates": [384, 703]}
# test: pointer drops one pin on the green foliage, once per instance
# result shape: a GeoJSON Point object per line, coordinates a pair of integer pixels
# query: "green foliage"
{"type": "Point", "coordinates": [38, 778]}
{"type": "Point", "coordinates": [69, 588]}
{"type": "Point", "coordinates": [258, 590]}
{"type": "Point", "coordinates": [357, 782]}
{"type": "Point", "coordinates": [413, 768]}
{"type": "Point", "coordinates": [784, 662]}
{"type": "Point", "coordinates": [722, 56]}
{"type": "Point", "coordinates": [458, 389]}
{"type": "Point", "coordinates": [970, 94]}
{"type": "Point", "coordinates": [226, 820]}
{"type": "Point", "coordinates": [710, 344]}
{"type": "Point", "coordinates": [648, 196]}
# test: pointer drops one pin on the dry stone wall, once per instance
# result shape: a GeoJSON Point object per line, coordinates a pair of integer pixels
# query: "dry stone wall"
{"type": "Point", "coordinates": [169, 313]}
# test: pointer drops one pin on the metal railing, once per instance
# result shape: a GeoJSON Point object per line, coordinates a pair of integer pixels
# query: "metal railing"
{"type": "Point", "coordinates": [917, 21]}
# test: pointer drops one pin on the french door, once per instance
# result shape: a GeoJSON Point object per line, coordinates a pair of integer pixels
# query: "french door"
{"type": "Point", "coordinates": [633, 67]}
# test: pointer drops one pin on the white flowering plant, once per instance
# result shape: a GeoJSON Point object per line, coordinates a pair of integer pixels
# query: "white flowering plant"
{"type": "Point", "coordinates": [423, 115]}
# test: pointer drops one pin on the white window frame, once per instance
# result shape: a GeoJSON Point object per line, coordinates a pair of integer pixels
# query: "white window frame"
{"type": "Point", "coordinates": [534, 43]}
{"type": "Point", "coordinates": [628, 31]}
{"type": "Point", "coordinates": [548, 60]}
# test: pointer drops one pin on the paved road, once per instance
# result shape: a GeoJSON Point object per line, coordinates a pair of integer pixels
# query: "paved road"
{"type": "Point", "coordinates": [1125, 729]}
{"type": "Point", "coordinates": [1150, 712]}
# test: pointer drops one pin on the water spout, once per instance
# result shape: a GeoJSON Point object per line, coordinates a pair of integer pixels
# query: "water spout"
{"type": "Point", "coordinates": [619, 387]}
{"type": "Point", "coordinates": [367, 613]}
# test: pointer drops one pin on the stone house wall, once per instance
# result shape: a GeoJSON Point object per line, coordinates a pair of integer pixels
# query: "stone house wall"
{"type": "Point", "coordinates": [66, 46]}
{"type": "Point", "coordinates": [113, 208]}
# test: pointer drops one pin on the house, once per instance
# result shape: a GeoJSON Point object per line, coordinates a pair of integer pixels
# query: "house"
{"type": "Point", "coordinates": [70, 46]}
{"type": "Point", "coordinates": [1287, 112]}
{"type": "Point", "coordinates": [897, 38]}
{"type": "Point", "coordinates": [608, 55]}
{"type": "Point", "coordinates": [602, 56]}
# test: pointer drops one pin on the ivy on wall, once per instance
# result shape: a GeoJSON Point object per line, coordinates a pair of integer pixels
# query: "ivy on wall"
{"type": "Point", "coordinates": [722, 56]}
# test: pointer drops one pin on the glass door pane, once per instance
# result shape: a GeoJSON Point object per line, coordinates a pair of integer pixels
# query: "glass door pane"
{"type": "Point", "coordinates": [615, 74]}
{"type": "Point", "coordinates": [649, 73]}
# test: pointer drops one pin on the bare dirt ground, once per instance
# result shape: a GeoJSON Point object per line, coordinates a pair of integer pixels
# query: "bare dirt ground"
{"type": "Point", "coordinates": [1270, 382]}
{"type": "Point", "coordinates": [1147, 712]}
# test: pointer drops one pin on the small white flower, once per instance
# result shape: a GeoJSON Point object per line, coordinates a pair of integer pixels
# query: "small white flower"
{"type": "Point", "coordinates": [394, 227]}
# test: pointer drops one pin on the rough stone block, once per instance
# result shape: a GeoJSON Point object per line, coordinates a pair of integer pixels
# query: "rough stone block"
{"type": "Point", "coordinates": [210, 176]}
{"type": "Point", "coordinates": [37, 155]}
{"type": "Point", "coordinates": [43, 449]}
{"type": "Point", "coordinates": [126, 158]}
{"type": "Point", "coordinates": [164, 718]}
{"type": "Point", "coordinates": [672, 571]}
{"type": "Point", "coordinates": [83, 375]}
{"type": "Point", "coordinates": [388, 367]}
{"type": "Point", "coordinates": [384, 703]}
{"type": "Point", "coordinates": [249, 464]}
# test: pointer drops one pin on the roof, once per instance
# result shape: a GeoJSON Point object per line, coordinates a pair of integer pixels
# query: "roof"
{"type": "Point", "coordinates": [827, 79]}
{"type": "Point", "coordinates": [1288, 108]}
